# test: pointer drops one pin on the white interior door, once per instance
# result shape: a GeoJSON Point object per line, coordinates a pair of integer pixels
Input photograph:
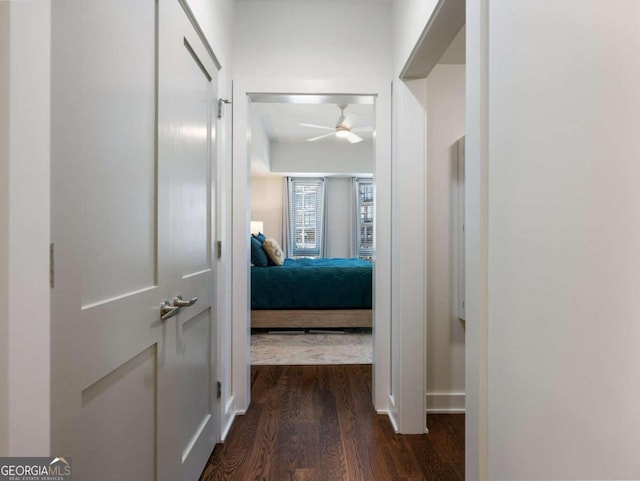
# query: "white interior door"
{"type": "Point", "coordinates": [187, 97]}
{"type": "Point", "coordinates": [132, 207]}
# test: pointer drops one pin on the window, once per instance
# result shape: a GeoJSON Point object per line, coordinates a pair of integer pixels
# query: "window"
{"type": "Point", "coordinates": [364, 218]}
{"type": "Point", "coordinates": [306, 197]}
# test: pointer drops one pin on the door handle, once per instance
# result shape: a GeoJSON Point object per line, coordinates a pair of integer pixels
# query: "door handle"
{"type": "Point", "coordinates": [178, 302]}
{"type": "Point", "coordinates": [167, 310]}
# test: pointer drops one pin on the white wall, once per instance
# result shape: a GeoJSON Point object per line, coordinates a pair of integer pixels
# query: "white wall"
{"type": "Point", "coordinates": [322, 158]}
{"type": "Point", "coordinates": [301, 47]}
{"type": "Point", "coordinates": [311, 40]}
{"type": "Point", "coordinates": [564, 230]}
{"type": "Point", "coordinates": [215, 17]}
{"type": "Point", "coordinates": [4, 226]}
{"type": "Point", "coordinates": [410, 17]}
{"type": "Point", "coordinates": [476, 241]}
{"type": "Point", "coordinates": [339, 192]}
{"type": "Point", "coordinates": [25, 213]}
{"type": "Point", "coordinates": [266, 204]}
{"type": "Point", "coordinates": [445, 332]}
{"type": "Point", "coordinates": [260, 146]}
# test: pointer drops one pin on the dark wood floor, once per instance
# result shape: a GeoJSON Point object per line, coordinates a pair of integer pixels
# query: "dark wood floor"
{"type": "Point", "coordinates": [318, 423]}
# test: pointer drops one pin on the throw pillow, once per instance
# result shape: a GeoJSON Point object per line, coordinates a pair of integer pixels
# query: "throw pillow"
{"type": "Point", "coordinates": [258, 255]}
{"type": "Point", "coordinates": [274, 251]}
{"type": "Point", "coordinates": [260, 236]}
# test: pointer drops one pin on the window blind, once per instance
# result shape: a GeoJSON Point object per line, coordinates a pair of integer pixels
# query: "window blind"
{"type": "Point", "coordinates": [365, 217]}
{"type": "Point", "coordinates": [306, 197]}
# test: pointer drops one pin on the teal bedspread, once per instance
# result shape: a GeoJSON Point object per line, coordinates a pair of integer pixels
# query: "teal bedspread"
{"type": "Point", "coordinates": [313, 284]}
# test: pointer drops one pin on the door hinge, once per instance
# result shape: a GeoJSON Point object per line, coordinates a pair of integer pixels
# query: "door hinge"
{"type": "Point", "coordinates": [219, 249]}
{"type": "Point", "coordinates": [51, 266]}
{"type": "Point", "coordinates": [218, 390]}
{"type": "Point", "coordinates": [221, 102]}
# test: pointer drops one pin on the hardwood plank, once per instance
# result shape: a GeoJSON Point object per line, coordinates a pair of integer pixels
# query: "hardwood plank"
{"type": "Point", "coordinates": [317, 423]}
{"type": "Point", "coordinates": [448, 434]}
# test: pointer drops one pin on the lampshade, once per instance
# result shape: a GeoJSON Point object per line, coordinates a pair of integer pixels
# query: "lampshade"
{"type": "Point", "coordinates": [257, 226]}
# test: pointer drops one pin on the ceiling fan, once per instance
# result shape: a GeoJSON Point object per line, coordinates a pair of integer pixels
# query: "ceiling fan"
{"type": "Point", "coordinates": [342, 129]}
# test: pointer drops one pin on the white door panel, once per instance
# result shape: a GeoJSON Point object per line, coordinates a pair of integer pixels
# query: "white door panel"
{"type": "Point", "coordinates": [133, 89]}
{"type": "Point", "coordinates": [187, 96]}
{"type": "Point", "coordinates": [113, 135]}
{"type": "Point", "coordinates": [104, 304]}
{"type": "Point", "coordinates": [193, 111]}
{"type": "Point", "coordinates": [125, 397]}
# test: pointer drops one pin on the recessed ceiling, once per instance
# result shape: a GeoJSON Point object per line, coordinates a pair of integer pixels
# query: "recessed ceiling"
{"type": "Point", "coordinates": [281, 121]}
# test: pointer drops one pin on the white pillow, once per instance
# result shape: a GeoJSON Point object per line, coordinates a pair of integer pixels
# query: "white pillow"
{"type": "Point", "coordinates": [274, 251]}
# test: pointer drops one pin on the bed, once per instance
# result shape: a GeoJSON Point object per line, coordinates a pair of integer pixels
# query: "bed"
{"type": "Point", "coordinates": [312, 293]}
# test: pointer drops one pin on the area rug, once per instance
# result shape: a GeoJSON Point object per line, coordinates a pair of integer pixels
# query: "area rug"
{"type": "Point", "coordinates": [311, 348]}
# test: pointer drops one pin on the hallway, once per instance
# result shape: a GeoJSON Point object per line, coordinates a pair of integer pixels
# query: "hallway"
{"type": "Point", "coordinates": [318, 423]}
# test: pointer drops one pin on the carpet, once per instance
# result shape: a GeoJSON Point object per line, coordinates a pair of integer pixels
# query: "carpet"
{"type": "Point", "coordinates": [311, 348]}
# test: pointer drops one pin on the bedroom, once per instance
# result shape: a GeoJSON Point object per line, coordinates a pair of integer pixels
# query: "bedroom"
{"type": "Point", "coordinates": [295, 148]}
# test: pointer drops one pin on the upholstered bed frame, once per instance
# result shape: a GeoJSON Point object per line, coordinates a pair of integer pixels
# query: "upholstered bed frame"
{"type": "Point", "coordinates": [311, 319]}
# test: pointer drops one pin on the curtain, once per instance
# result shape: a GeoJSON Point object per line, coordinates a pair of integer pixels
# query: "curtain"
{"type": "Point", "coordinates": [286, 220]}
{"type": "Point", "coordinates": [354, 215]}
{"type": "Point", "coordinates": [324, 226]}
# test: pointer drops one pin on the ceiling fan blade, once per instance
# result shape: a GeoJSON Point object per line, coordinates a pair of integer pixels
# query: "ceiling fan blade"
{"type": "Point", "coordinates": [321, 137]}
{"type": "Point", "coordinates": [318, 126]}
{"type": "Point", "coordinates": [353, 138]}
{"type": "Point", "coordinates": [368, 128]}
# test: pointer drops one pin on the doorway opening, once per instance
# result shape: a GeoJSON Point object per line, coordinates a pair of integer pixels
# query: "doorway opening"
{"type": "Point", "coordinates": [436, 69]}
{"type": "Point", "coordinates": [311, 196]}
{"type": "Point", "coordinates": [445, 344]}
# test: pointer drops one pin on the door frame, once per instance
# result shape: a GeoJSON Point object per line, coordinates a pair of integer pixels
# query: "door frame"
{"type": "Point", "coordinates": [242, 88]}
{"type": "Point", "coordinates": [25, 217]}
{"type": "Point", "coordinates": [441, 27]}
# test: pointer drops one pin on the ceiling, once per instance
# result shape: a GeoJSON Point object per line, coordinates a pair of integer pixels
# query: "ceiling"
{"type": "Point", "coordinates": [325, 1]}
{"type": "Point", "coordinates": [281, 121]}
{"type": "Point", "coordinates": [440, 32]}
{"type": "Point", "coordinates": [280, 115]}
{"type": "Point", "coordinates": [456, 52]}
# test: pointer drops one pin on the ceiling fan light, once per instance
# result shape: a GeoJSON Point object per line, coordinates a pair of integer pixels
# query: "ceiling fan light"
{"type": "Point", "coordinates": [342, 133]}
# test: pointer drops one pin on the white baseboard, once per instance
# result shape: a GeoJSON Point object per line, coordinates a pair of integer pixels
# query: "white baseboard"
{"type": "Point", "coordinates": [393, 420]}
{"type": "Point", "coordinates": [445, 403]}
{"type": "Point", "coordinates": [227, 419]}
{"type": "Point", "coordinates": [392, 412]}
{"type": "Point", "coordinates": [227, 427]}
